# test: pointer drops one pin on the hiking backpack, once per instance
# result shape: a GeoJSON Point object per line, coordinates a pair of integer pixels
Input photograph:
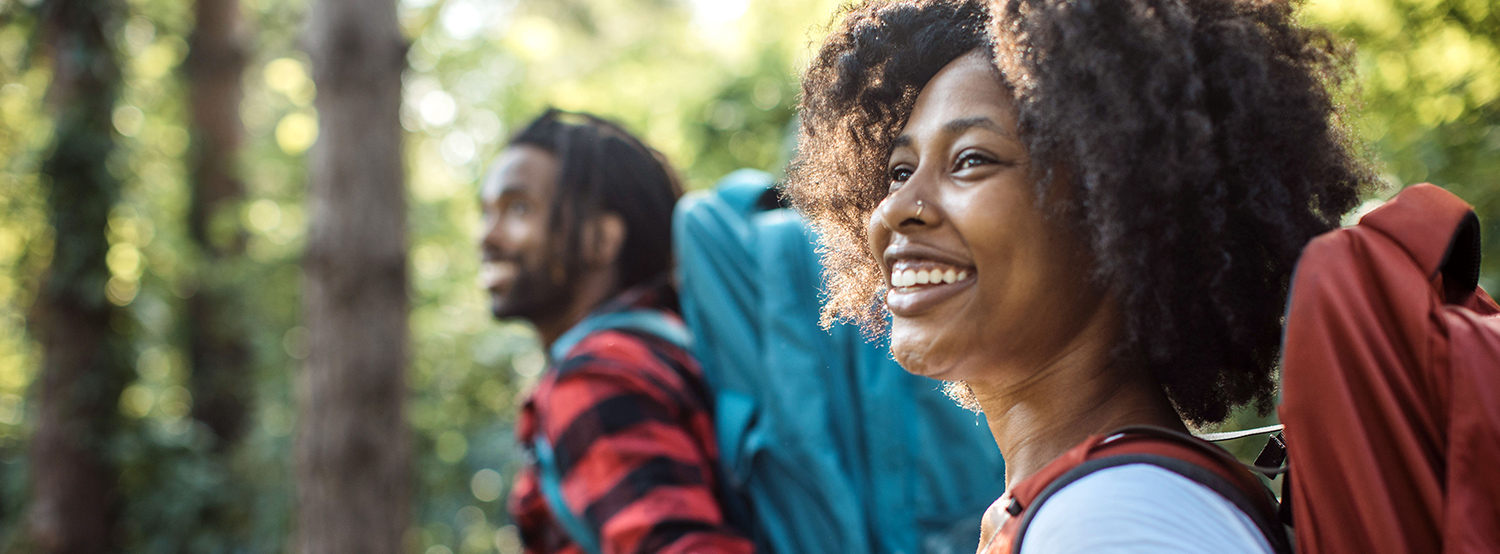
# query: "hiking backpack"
{"type": "Point", "coordinates": [1391, 384]}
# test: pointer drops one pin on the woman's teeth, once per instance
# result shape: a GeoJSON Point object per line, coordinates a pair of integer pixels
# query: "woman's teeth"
{"type": "Point", "coordinates": [909, 277]}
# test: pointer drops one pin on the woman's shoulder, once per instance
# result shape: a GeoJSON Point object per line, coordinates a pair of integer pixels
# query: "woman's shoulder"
{"type": "Point", "coordinates": [1140, 508]}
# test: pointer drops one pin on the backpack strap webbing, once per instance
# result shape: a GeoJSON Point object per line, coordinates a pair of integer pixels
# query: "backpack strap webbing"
{"type": "Point", "coordinates": [1180, 453]}
{"type": "Point", "coordinates": [650, 322]}
{"type": "Point", "coordinates": [549, 479]}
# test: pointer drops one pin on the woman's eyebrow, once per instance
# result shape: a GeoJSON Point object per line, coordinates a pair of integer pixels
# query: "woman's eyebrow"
{"type": "Point", "coordinates": [958, 126]}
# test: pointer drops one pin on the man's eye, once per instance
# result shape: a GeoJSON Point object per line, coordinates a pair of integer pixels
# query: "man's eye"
{"type": "Point", "coordinates": [518, 208]}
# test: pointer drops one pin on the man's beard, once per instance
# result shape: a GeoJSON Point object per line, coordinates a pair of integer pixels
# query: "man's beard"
{"type": "Point", "coordinates": [535, 297]}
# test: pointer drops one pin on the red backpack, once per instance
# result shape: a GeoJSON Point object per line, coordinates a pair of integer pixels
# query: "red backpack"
{"type": "Point", "coordinates": [1391, 385]}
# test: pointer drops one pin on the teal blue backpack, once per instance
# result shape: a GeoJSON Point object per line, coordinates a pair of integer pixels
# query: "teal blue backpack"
{"type": "Point", "coordinates": [826, 444]}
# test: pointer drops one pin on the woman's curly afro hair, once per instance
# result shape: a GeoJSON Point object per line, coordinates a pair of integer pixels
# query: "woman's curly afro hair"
{"type": "Point", "coordinates": [1200, 140]}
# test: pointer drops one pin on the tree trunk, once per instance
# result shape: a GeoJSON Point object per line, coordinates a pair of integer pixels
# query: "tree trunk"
{"type": "Point", "coordinates": [217, 347]}
{"type": "Point", "coordinates": [85, 365]}
{"type": "Point", "coordinates": [352, 446]}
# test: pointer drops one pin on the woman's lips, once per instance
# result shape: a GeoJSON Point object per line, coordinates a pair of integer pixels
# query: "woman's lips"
{"type": "Point", "coordinates": [918, 286]}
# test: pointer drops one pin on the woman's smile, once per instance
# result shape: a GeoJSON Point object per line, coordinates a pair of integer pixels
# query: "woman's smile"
{"type": "Point", "coordinates": [922, 278]}
{"type": "Point", "coordinates": [914, 299]}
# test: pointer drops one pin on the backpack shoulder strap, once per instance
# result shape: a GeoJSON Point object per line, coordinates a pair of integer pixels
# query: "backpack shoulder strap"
{"type": "Point", "coordinates": [549, 479]}
{"type": "Point", "coordinates": [652, 322]}
{"type": "Point", "coordinates": [1180, 453]}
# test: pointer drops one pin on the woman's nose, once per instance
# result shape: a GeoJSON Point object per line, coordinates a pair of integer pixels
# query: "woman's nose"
{"type": "Point", "coordinates": [908, 207]}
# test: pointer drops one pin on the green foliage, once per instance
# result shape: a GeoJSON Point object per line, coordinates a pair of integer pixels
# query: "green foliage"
{"type": "Point", "coordinates": [25, 247]}
{"type": "Point", "coordinates": [1430, 71]}
{"type": "Point", "coordinates": [25, 233]}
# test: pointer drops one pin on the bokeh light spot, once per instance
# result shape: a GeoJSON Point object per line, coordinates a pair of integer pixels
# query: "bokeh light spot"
{"type": "Point", "coordinates": [469, 516]}
{"type": "Point", "coordinates": [767, 94]}
{"type": "Point", "coordinates": [431, 261]}
{"type": "Point", "coordinates": [173, 141]}
{"type": "Point", "coordinates": [462, 19]}
{"type": "Point", "coordinates": [507, 540]}
{"type": "Point", "coordinates": [486, 485]}
{"type": "Point", "coordinates": [136, 401]}
{"type": "Point", "coordinates": [139, 33]}
{"type": "Point", "coordinates": [154, 365]}
{"type": "Point", "coordinates": [285, 75]}
{"type": "Point", "coordinates": [535, 38]}
{"type": "Point", "coordinates": [175, 402]}
{"type": "Point", "coordinates": [124, 261]}
{"type": "Point", "coordinates": [529, 364]}
{"type": "Point", "coordinates": [457, 148]}
{"type": "Point", "coordinates": [121, 292]}
{"type": "Point", "coordinates": [128, 120]}
{"type": "Point", "coordinates": [157, 60]}
{"type": "Point", "coordinates": [296, 132]}
{"type": "Point", "coordinates": [295, 342]}
{"type": "Point", "coordinates": [437, 108]}
{"type": "Point", "coordinates": [725, 115]}
{"type": "Point", "coordinates": [264, 215]}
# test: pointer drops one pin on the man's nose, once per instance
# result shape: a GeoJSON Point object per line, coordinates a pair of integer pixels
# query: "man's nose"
{"type": "Point", "coordinates": [490, 234]}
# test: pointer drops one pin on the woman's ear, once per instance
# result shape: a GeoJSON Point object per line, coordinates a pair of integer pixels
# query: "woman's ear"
{"type": "Point", "coordinates": [603, 239]}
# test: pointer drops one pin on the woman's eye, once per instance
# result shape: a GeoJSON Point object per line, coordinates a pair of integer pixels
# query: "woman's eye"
{"type": "Point", "coordinates": [971, 159]}
{"type": "Point", "coordinates": [900, 174]}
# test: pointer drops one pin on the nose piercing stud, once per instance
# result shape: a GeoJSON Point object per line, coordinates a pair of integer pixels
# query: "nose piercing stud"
{"type": "Point", "coordinates": [919, 208]}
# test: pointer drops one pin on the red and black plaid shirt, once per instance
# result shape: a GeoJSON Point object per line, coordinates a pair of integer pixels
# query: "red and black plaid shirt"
{"type": "Point", "coordinates": [633, 437]}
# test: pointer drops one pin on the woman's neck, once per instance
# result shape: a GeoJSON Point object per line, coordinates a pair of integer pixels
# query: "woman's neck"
{"type": "Point", "coordinates": [1081, 390]}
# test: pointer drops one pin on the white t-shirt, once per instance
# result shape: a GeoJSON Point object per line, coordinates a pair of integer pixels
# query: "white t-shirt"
{"type": "Point", "coordinates": [1140, 508]}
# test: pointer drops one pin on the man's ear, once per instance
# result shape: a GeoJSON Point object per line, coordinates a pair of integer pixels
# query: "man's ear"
{"type": "Point", "coordinates": [603, 239]}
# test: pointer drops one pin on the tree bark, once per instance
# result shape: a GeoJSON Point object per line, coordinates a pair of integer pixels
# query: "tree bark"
{"type": "Point", "coordinates": [85, 366]}
{"type": "Point", "coordinates": [217, 347]}
{"type": "Point", "coordinates": [352, 446]}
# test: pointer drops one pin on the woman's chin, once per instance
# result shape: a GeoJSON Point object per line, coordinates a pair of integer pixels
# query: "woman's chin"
{"type": "Point", "coordinates": [922, 356]}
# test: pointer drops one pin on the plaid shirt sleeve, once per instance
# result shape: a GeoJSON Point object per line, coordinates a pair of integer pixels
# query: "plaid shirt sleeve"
{"type": "Point", "coordinates": [633, 438]}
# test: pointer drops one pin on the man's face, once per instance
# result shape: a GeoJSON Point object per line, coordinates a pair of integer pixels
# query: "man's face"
{"type": "Point", "coordinates": [522, 273]}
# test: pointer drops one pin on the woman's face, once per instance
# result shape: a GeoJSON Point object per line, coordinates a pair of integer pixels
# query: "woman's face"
{"type": "Point", "coordinates": [982, 284]}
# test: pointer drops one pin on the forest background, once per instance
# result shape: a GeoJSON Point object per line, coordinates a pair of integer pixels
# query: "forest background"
{"type": "Point", "coordinates": [198, 255]}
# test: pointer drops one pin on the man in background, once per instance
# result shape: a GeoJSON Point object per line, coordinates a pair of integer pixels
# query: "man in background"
{"type": "Point", "coordinates": [577, 241]}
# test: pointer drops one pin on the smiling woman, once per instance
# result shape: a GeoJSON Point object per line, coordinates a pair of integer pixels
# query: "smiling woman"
{"type": "Point", "coordinates": [1083, 215]}
{"type": "Point", "coordinates": [961, 200]}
